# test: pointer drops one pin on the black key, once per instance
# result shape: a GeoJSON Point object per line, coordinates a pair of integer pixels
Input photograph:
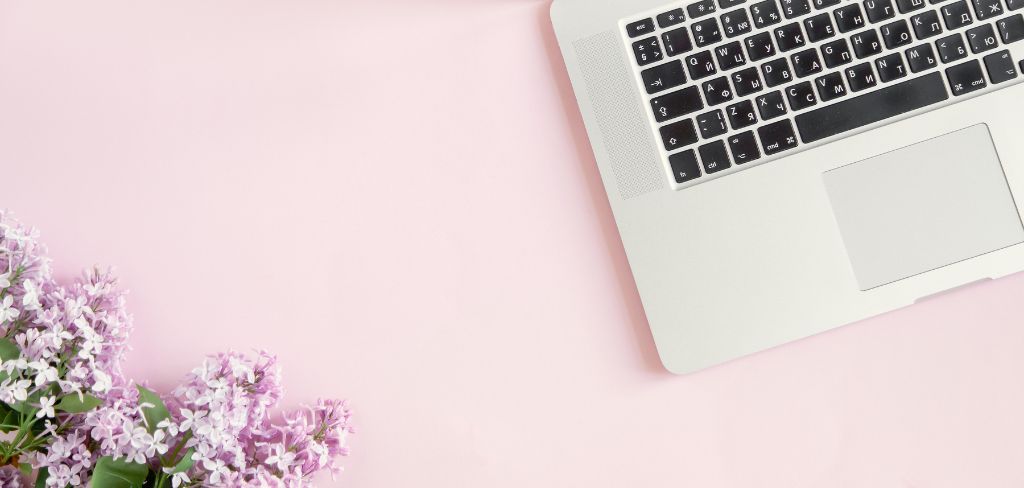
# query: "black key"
{"type": "Point", "coordinates": [744, 147]}
{"type": "Point", "coordinates": [684, 166]}
{"type": "Point", "coordinates": [830, 86]}
{"type": "Point", "coordinates": [1011, 29]}
{"type": "Point", "coordinates": [678, 134]}
{"type": "Point", "coordinates": [1014, 4]}
{"type": "Point", "coordinates": [957, 15]}
{"type": "Point", "coordinates": [982, 38]}
{"type": "Point", "coordinates": [727, 4]}
{"type": "Point", "coordinates": [866, 43]}
{"type": "Point", "coordinates": [700, 65]}
{"type": "Point", "coordinates": [860, 77]}
{"type": "Point", "coordinates": [706, 32]}
{"type": "Point", "coordinates": [986, 9]}
{"type": "Point", "coordinates": [872, 107]}
{"type": "Point", "coordinates": [836, 53]}
{"type": "Point", "coordinates": [677, 41]}
{"type": "Point", "coordinates": [759, 46]}
{"type": "Point", "coordinates": [640, 27]}
{"type": "Point", "coordinates": [647, 51]}
{"type": "Point", "coordinates": [777, 137]}
{"type": "Point", "coordinates": [776, 72]}
{"type": "Point", "coordinates": [701, 8]}
{"type": "Point", "coordinates": [1000, 67]}
{"type": "Point", "coordinates": [879, 10]}
{"type": "Point", "coordinates": [770, 105]}
{"type": "Point", "coordinates": [717, 90]}
{"type": "Point", "coordinates": [801, 96]}
{"type": "Point", "coordinates": [741, 114]}
{"type": "Point", "coordinates": [820, 4]}
{"type": "Point", "coordinates": [670, 18]}
{"type": "Point", "coordinates": [921, 58]}
{"type": "Point", "coordinates": [663, 77]}
{"type": "Point", "coordinates": [951, 48]}
{"type": "Point", "coordinates": [906, 6]}
{"type": "Point", "coordinates": [965, 78]}
{"type": "Point", "coordinates": [711, 124]}
{"type": "Point", "coordinates": [806, 63]}
{"type": "Point", "coordinates": [736, 23]}
{"type": "Point", "coordinates": [795, 8]}
{"type": "Point", "coordinates": [789, 37]}
{"type": "Point", "coordinates": [926, 24]}
{"type": "Point", "coordinates": [746, 81]}
{"type": "Point", "coordinates": [714, 157]}
{"type": "Point", "coordinates": [677, 104]}
{"type": "Point", "coordinates": [766, 13]}
{"type": "Point", "coordinates": [849, 18]}
{"type": "Point", "coordinates": [896, 34]}
{"type": "Point", "coordinates": [730, 55]}
{"type": "Point", "coordinates": [890, 67]}
{"type": "Point", "coordinates": [819, 27]}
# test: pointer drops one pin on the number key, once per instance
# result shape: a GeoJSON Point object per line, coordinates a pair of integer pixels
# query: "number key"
{"type": "Point", "coordinates": [677, 41]}
{"type": "Point", "coordinates": [795, 8]}
{"type": "Point", "coordinates": [706, 32]}
{"type": "Point", "coordinates": [736, 23]}
{"type": "Point", "coordinates": [766, 13]}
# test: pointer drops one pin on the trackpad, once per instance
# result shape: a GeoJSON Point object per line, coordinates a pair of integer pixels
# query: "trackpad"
{"type": "Point", "coordinates": [923, 207]}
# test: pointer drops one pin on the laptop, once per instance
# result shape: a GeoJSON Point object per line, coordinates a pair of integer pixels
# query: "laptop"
{"type": "Point", "coordinates": [780, 168]}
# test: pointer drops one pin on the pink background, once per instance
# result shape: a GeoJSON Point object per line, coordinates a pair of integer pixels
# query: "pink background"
{"type": "Point", "coordinates": [398, 198]}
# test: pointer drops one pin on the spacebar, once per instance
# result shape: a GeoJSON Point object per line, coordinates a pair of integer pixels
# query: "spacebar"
{"type": "Point", "coordinates": [870, 108]}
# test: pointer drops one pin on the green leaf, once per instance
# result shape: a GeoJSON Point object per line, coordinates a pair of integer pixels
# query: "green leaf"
{"type": "Point", "coordinates": [186, 462]}
{"type": "Point", "coordinates": [9, 419]}
{"type": "Point", "coordinates": [155, 414]}
{"type": "Point", "coordinates": [26, 468]}
{"type": "Point", "coordinates": [111, 473]}
{"type": "Point", "coordinates": [41, 478]}
{"type": "Point", "coordinates": [72, 404]}
{"type": "Point", "coordinates": [9, 350]}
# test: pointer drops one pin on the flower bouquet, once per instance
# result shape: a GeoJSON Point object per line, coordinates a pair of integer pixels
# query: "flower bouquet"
{"type": "Point", "coordinates": [70, 417]}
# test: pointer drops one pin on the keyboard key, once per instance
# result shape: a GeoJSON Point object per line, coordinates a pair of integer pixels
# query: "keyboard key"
{"type": "Point", "coordinates": [663, 77]}
{"type": "Point", "coordinates": [679, 134]}
{"type": "Point", "coordinates": [956, 15]}
{"type": "Point", "coordinates": [677, 104]}
{"type": "Point", "coordinates": [677, 41]}
{"type": "Point", "coordinates": [926, 24]}
{"type": "Point", "coordinates": [711, 124]}
{"type": "Point", "coordinates": [986, 9]}
{"type": "Point", "coordinates": [639, 28]}
{"type": "Point", "coordinates": [717, 90]}
{"type": "Point", "coordinates": [819, 27]}
{"type": "Point", "coordinates": [759, 46]}
{"type": "Point", "coordinates": [921, 58]}
{"type": "Point", "coordinates": [849, 18]}
{"type": "Point", "coordinates": [746, 81]}
{"type": "Point", "coordinates": [1011, 29]}
{"type": "Point", "coordinates": [836, 53]}
{"type": "Point", "coordinates": [700, 65]}
{"type": "Point", "coordinates": [736, 23]}
{"type": "Point", "coordinates": [871, 107]}
{"type": "Point", "coordinates": [896, 34]}
{"type": "Point", "coordinates": [879, 10]}
{"type": "Point", "coordinates": [766, 13]}
{"type": "Point", "coordinates": [730, 55]}
{"type": "Point", "coordinates": [830, 86]}
{"type": "Point", "coordinates": [706, 32]}
{"type": "Point", "coordinates": [822, 4]}
{"type": "Point", "coordinates": [744, 147]}
{"type": "Point", "coordinates": [701, 8]}
{"type": "Point", "coordinates": [1014, 4]}
{"type": "Point", "coordinates": [714, 157]}
{"type": "Point", "coordinates": [907, 6]}
{"type": "Point", "coordinates": [795, 8]}
{"type": "Point", "coordinates": [741, 114]}
{"type": "Point", "coordinates": [727, 4]}
{"type": "Point", "coordinates": [860, 77]}
{"type": "Point", "coordinates": [801, 96]}
{"type": "Point", "coordinates": [1000, 67]}
{"type": "Point", "coordinates": [806, 63]}
{"type": "Point", "coordinates": [777, 137]}
{"type": "Point", "coordinates": [670, 18]}
{"type": "Point", "coordinates": [982, 38]}
{"type": "Point", "coordinates": [789, 37]}
{"type": "Point", "coordinates": [890, 67]}
{"type": "Point", "coordinates": [866, 43]}
{"type": "Point", "coordinates": [951, 48]}
{"type": "Point", "coordinates": [647, 51]}
{"type": "Point", "coordinates": [684, 166]}
{"type": "Point", "coordinates": [770, 105]}
{"type": "Point", "coordinates": [776, 72]}
{"type": "Point", "coordinates": [965, 78]}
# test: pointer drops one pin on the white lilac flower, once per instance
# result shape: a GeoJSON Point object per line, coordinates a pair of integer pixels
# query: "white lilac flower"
{"type": "Point", "coordinates": [7, 311]}
{"type": "Point", "coordinates": [46, 407]}
{"type": "Point", "coordinates": [30, 299]}
{"type": "Point", "coordinates": [5, 280]}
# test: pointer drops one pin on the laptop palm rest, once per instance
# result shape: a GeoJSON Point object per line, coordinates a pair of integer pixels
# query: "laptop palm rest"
{"type": "Point", "coordinates": [924, 206]}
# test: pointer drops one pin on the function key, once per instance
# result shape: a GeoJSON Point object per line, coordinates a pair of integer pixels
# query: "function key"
{"type": "Point", "coordinates": [1000, 67]}
{"type": "Point", "coordinates": [957, 15]}
{"type": "Point", "coordinates": [706, 32]}
{"type": "Point", "coordinates": [639, 28]}
{"type": "Point", "coordinates": [744, 147]}
{"type": "Point", "coordinates": [982, 38]}
{"type": "Point", "coordinates": [727, 4]}
{"type": "Point", "coordinates": [789, 37]}
{"type": "Point", "coordinates": [951, 48]}
{"type": "Point", "coordinates": [663, 77]}
{"type": "Point", "coordinates": [766, 13]}
{"type": "Point", "coordinates": [677, 41]}
{"type": "Point", "coordinates": [647, 51]}
{"type": "Point", "coordinates": [921, 58]}
{"type": "Point", "coordinates": [670, 18]}
{"type": "Point", "coordinates": [926, 24]}
{"type": "Point", "coordinates": [965, 78]}
{"type": "Point", "coordinates": [879, 10]}
{"type": "Point", "coordinates": [795, 8]}
{"type": "Point", "coordinates": [714, 157]}
{"type": "Point", "coordinates": [906, 6]}
{"type": "Point", "coordinates": [987, 9]}
{"type": "Point", "coordinates": [736, 23]}
{"type": "Point", "coordinates": [849, 18]}
{"type": "Point", "coordinates": [759, 46]}
{"type": "Point", "coordinates": [890, 67]}
{"type": "Point", "coordinates": [700, 65]}
{"type": "Point", "coordinates": [678, 135]}
{"type": "Point", "coordinates": [677, 104]}
{"type": "Point", "coordinates": [896, 34]}
{"type": "Point", "coordinates": [684, 166]}
{"type": "Point", "coordinates": [701, 8]}
{"type": "Point", "coordinates": [1011, 29]}
{"type": "Point", "coordinates": [777, 137]}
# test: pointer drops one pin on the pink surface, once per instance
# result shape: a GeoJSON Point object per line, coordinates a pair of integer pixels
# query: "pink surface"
{"type": "Point", "coordinates": [398, 198]}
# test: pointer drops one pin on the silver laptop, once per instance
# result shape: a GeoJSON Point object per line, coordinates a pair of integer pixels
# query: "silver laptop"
{"type": "Point", "coordinates": [779, 168]}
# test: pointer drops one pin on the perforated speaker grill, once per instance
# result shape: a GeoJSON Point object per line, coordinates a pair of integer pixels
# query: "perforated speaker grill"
{"type": "Point", "coordinates": [625, 133]}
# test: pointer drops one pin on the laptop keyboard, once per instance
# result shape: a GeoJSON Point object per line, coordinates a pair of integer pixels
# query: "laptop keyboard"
{"type": "Point", "coordinates": [735, 83]}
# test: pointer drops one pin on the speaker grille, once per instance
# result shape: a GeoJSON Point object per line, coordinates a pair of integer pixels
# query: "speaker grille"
{"type": "Point", "coordinates": [625, 132]}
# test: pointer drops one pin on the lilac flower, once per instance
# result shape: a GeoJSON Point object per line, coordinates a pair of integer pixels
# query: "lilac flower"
{"type": "Point", "coordinates": [10, 477]}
